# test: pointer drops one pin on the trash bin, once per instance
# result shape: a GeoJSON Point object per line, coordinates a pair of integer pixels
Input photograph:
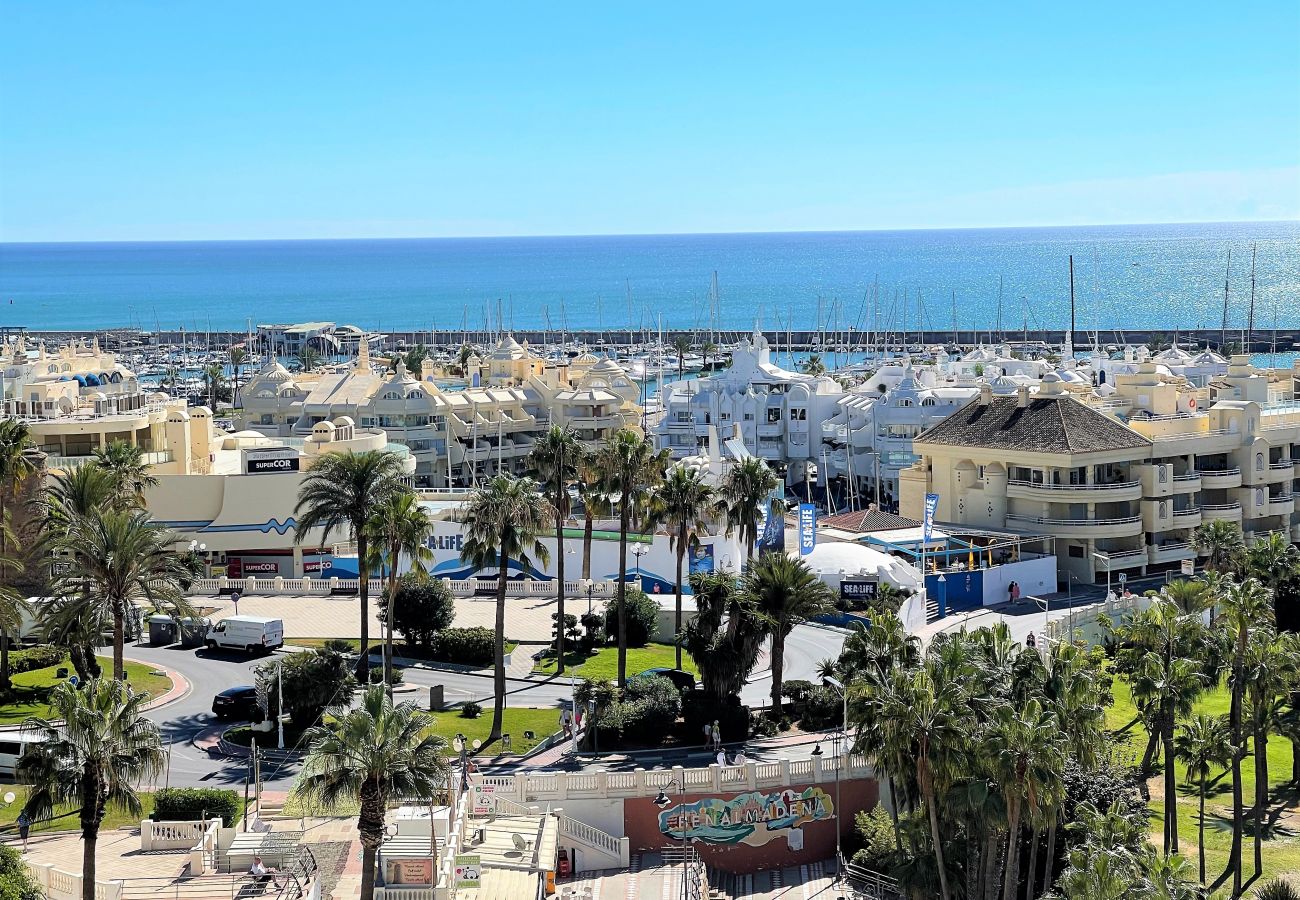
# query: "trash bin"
{"type": "Point", "coordinates": [194, 631]}
{"type": "Point", "coordinates": [162, 630]}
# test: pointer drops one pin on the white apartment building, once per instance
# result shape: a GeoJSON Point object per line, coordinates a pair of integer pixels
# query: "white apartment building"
{"type": "Point", "coordinates": [778, 415]}
{"type": "Point", "coordinates": [456, 437]}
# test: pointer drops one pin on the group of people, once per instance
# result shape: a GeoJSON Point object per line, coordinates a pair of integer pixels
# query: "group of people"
{"type": "Point", "coordinates": [713, 739]}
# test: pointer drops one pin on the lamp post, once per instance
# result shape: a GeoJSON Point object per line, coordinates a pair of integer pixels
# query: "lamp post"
{"type": "Point", "coordinates": [639, 550]}
{"type": "Point", "coordinates": [837, 685]}
{"type": "Point", "coordinates": [663, 801]}
{"type": "Point", "coordinates": [587, 585]}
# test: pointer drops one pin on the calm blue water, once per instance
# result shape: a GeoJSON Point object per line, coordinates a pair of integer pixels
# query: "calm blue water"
{"type": "Point", "coordinates": [1140, 276]}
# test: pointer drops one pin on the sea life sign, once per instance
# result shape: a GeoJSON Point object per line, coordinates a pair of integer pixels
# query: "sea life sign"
{"type": "Point", "coordinates": [755, 818]}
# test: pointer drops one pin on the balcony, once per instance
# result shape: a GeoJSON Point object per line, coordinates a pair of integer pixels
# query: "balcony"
{"type": "Point", "coordinates": [1128, 526]}
{"type": "Point", "coordinates": [1281, 505]}
{"type": "Point", "coordinates": [1116, 560]}
{"type": "Point", "coordinates": [1220, 512]}
{"type": "Point", "coordinates": [1172, 552]}
{"type": "Point", "coordinates": [1214, 479]}
{"type": "Point", "coordinates": [1187, 484]}
{"type": "Point", "coordinates": [1281, 471]}
{"type": "Point", "coordinates": [1075, 493]}
{"type": "Point", "coordinates": [71, 463]}
{"type": "Point", "coordinates": [1187, 518]}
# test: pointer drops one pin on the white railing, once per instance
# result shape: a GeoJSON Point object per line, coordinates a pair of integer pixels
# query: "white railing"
{"type": "Point", "coordinates": [170, 835]}
{"type": "Point", "coordinates": [1110, 486]}
{"type": "Point", "coordinates": [1214, 473]}
{"type": "Point", "coordinates": [469, 587]}
{"type": "Point", "coordinates": [1220, 507]}
{"type": "Point", "coordinates": [1183, 435]}
{"type": "Point", "coordinates": [617, 849]}
{"type": "Point", "coordinates": [57, 884]}
{"type": "Point", "coordinates": [1044, 520]}
{"type": "Point", "coordinates": [529, 787]}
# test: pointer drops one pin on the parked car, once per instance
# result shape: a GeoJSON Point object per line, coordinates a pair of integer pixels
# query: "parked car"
{"type": "Point", "coordinates": [238, 703]}
{"type": "Point", "coordinates": [256, 634]}
{"type": "Point", "coordinates": [681, 679]}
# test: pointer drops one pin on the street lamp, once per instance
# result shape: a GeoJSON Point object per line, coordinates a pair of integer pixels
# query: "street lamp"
{"type": "Point", "coordinates": [587, 585]}
{"type": "Point", "coordinates": [837, 685]}
{"type": "Point", "coordinates": [663, 801]}
{"type": "Point", "coordinates": [639, 550]}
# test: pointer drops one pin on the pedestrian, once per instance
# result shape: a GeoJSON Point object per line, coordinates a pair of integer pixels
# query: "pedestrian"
{"type": "Point", "coordinates": [717, 735]}
{"type": "Point", "coordinates": [24, 827]}
{"type": "Point", "coordinates": [722, 757]}
{"type": "Point", "coordinates": [739, 759]}
{"type": "Point", "coordinates": [1030, 641]}
{"type": "Point", "coordinates": [1011, 592]}
{"type": "Point", "coordinates": [1015, 591]}
{"type": "Point", "coordinates": [577, 719]}
{"type": "Point", "coordinates": [708, 734]}
{"type": "Point", "coordinates": [565, 723]}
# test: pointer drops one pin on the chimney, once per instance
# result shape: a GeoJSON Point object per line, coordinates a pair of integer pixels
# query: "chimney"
{"type": "Point", "coordinates": [986, 394]}
{"type": "Point", "coordinates": [1022, 396]}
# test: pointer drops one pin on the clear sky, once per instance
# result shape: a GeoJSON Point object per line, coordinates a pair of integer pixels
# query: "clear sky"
{"type": "Point", "coordinates": [188, 120]}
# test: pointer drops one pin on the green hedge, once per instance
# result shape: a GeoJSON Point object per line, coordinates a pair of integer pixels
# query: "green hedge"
{"type": "Point", "coordinates": [465, 646]}
{"type": "Point", "coordinates": [41, 656]}
{"type": "Point", "coordinates": [191, 804]}
{"type": "Point", "coordinates": [15, 881]}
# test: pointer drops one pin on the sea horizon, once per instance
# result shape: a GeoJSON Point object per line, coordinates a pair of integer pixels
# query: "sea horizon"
{"type": "Point", "coordinates": [1160, 275]}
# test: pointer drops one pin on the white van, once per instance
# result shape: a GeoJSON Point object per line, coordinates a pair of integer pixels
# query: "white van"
{"type": "Point", "coordinates": [256, 634]}
{"type": "Point", "coordinates": [13, 744]}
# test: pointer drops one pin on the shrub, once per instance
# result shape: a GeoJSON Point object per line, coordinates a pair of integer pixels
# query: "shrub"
{"type": "Point", "coordinates": [423, 608]}
{"type": "Point", "coordinates": [377, 675]}
{"type": "Point", "coordinates": [647, 710]}
{"type": "Point", "coordinates": [871, 843]}
{"type": "Point", "coordinates": [339, 645]}
{"type": "Point", "coordinates": [471, 710]}
{"type": "Point", "coordinates": [190, 804]}
{"type": "Point", "coordinates": [821, 708]}
{"type": "Point", "coordinates": [41, 656]}
{"type": "Point", "coordinates": [797, 691]}
{"type": "Point", "coordinates": [15, 880]}
{"type": "Point", "coordinates": [593, 630]}
{"type": "Point", "coordinates": [466, 646]}
{"type": "Point", "coordinates": [642, 618]}
{"type": "Point", "coordinates": [312, 682]}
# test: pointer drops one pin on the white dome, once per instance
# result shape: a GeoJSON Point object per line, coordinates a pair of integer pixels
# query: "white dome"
{"type": "Point", "coordinates": [828, 558]}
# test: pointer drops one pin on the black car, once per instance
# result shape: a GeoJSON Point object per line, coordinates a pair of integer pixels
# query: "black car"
{"type": "Point", "coordinates": [238, 703]}
{"type": "Point", "coordinates": [682, 680]}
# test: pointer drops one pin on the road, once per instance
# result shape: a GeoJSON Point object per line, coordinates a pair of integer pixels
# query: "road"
{"type": "Point", "coordinates": [212, 671]}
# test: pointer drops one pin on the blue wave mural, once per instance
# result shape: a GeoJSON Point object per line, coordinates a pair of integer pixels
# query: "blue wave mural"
{"type": "Point", "coordinates": [461, 571]}
{"type": "Point", "coordinates": [272, 524]}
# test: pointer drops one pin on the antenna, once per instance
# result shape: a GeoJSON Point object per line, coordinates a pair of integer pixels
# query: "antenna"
{"type": "Point", "coordinates": [1223, 334]}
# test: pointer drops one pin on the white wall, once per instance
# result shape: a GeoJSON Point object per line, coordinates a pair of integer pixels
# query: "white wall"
{"type": "Point", "coordinates": [607, 815]}
{"type": "Point", "coordinates": [1036, 576]}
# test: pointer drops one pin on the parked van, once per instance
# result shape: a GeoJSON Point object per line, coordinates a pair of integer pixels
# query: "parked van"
{"type": "Point", "coordinates": [13, 744]}
{"type": "Point", "coordinates": [256, 634]}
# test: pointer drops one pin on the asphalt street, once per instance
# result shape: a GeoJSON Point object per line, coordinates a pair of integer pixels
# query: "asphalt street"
{"type": "Point", "coordinates": [209, 672]}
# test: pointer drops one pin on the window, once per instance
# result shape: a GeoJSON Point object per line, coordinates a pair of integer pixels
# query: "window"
{"type": "Point", "coordinates": [1076, 551]}
{"type": "Point", "coordinates": [749, 417]}
{"type": "Point", "coordinates": [268, 419]}
{"type": "Point", "coordinates": [392, 395]}
{"type": "Point", "coordinates": [928, 401]}
{"type": "Point", "coordinates": [773, 416]}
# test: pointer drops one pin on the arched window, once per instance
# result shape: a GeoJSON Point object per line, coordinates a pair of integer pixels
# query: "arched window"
{"type": "Point", "coordinates": [392, 395]}
{"type": "Point", "coordinates": [928, 401]}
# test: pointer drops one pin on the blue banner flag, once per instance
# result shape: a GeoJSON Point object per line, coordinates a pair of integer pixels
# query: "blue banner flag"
{"type": "Point", "coordinates": [807, 528]}
{"type": "Point", "coordinates": [931, 504]}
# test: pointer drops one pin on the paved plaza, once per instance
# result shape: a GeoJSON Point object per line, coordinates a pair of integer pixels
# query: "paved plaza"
{"type": "Point", "coordinates": [648, 877]}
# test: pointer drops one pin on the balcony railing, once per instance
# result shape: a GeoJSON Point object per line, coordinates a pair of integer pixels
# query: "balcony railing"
{"type": "Point", "coordinates": [1100, 523]}
{"type": "Point", "coordinates": [1110, 486]}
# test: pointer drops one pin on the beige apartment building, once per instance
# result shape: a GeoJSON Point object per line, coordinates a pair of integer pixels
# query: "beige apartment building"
{"type": "Point", "coordinates": [1118, 494]}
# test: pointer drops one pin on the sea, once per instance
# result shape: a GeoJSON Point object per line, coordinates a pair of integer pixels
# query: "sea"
{"type": "Point", "coordinates": [1125, 276]}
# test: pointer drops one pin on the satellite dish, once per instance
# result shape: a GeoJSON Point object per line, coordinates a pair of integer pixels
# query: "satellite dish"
{"type": "Point", "coordinates": [10, 796]}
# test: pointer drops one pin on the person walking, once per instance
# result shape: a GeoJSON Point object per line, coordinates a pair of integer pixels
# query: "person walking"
{"type": "Point", "coordinates": [717, 736]}
{"type": "Point", "coordinates": [24, 827]}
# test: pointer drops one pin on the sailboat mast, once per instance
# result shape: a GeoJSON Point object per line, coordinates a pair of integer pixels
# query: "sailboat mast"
{"type": "Point", "coordinates": [1250, 317]}
{"type": "Point", "coordinates": [1072, 297]}
{"type": "Point", "coordinates": [1223, 333]}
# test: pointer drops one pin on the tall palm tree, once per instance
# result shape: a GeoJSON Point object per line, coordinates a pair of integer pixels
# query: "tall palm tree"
{"type": "Point", "coordinates": [1190, 595]}
{"type": "Point", "coordinates": [1029, 757]}
{"type": "Point", "coordinates": [686, 504]}
{"type": "Point", "coordinates": [554, 460]}
{"type": "Point", "coordinates": [237, 356]}
{"type": "Point", "coordinates": [632, 469]}
{"type": "Point", "coordinates": [1203, 743]}
{"type": "Point", "coordinates": [399, 527]}
{"type": "Point", "coordinates": [1271, 673]}
{"type": "Point", "coordinates": [788, 593]}
{"type": "Point", "coordinates": [373, 755]}
{"type": "Point", "coordinates": [745, 492]}
{"type": "Point", "coordinates": [16, 464]}
{"type": "Point", "coordinates": [214, 378]}
{"type": "Point", "coordinates": [813, 365]}
{"type": "Point", "coordinates": [681, 346]}
{"type": "Point", "coordinates": [1245, 606]}
{"type": "Point", "coordinates": [340, 493]}
{"type": "Point", "coordinates": [308, 358]}
{"type": "Point", "coordinates": [128, 472]}
{"type": "Point", "coordinates": [504, 519]}
{"type": "Point", "coordinates": [593, 493]}
{"type": "Point", "coordinates": [1271, 560]}
{"type": "Point", "coordinates": [96, 748]}
{"type": "Point", "coordinates": [118, 559]}
{"type": "Point", "coordinates": [10, 600]}
{"type": "Point", "coordinates": [1221, 543]}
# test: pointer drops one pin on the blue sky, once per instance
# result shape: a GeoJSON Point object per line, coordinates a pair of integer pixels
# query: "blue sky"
{"type": "Point", "coordinates": [256, 120]}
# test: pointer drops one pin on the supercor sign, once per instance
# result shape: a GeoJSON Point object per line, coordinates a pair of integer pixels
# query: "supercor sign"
{"type": "Point", "coordinates": [262, 462]}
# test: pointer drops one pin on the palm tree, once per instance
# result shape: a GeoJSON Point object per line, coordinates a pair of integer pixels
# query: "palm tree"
{"type": "Point", "coordinates": [237, 356]}
{"type": "Point", "coordinates": [788, 593]}
{"type": "Point", "coordinates": [341, 493]}
{"type": "Point", "coordinates": [1245, 606]}
{"type": "Point", "coordinates": [1202, 744]}
{"type": "Point", "coordinates": [10, 599]}
{"type": "Point", "coordinates": [399, 527]}
{"type": "Point", "coordinates": [813, 365]}
{"type": "Point", "coordinates": [707, 349]}
{"type": "Point", "coordinates": [921, 719]}
{"type": "Point", "coordinates": [214, 378]}
{"type": "Point", "coordinates": [1271, 669]}
{"type": "Point", "coordinates": [1029, 757]}
{"type": "Point", "coordinates": [504, 518]}
{"type": "Point", "coordinates": [1191, 596]}
{"type": "Point", "coordinates": [596, 502]}
{"type": "Point", "coordinates": [128, 472]}
{"type": "Point", "coordinates": [96, 748]}
{"type": "Point", "coordinates": [118, 559]}
{"type": "Point", "coordinates": [1271, 560]}
{"type": "Point", "coordinates": [745, 492]}
{"type": "Point", "coordinates": [1221, 542]}
{"type": "Point", "coordinates": [309, 358]}
{"type": "Point", "coordinates": [373, 755]}
{"type": "Point", "coordinates": [681, 346]}
{"type": "Point", "coordinates": [554, 460]}
{"type": "Point", "coordinates": [16, 464]}
{"type": "Point", "coordinates": [631, 469]}
{"type": "Point", "coordinates": [686, 503]}
{"type": "Point", "coordinates": [171, 377]}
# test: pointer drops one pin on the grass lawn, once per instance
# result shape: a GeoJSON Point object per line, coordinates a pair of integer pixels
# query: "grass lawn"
{"type": "Point", "coordinates": [603, 664]}
{"type": "Point", "coordinates": [1282, 838]}
{"type": "Point", "coordinates": [65, 816]}
{"type": "Point", "coordinates": [32, 688]}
